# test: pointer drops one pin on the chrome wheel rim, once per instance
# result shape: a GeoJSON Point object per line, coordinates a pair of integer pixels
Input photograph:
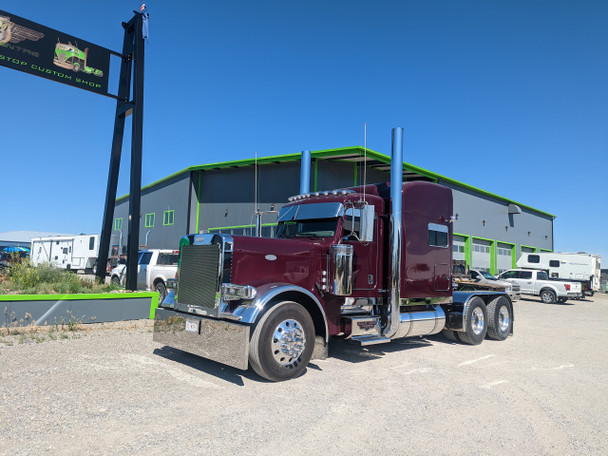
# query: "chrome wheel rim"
{"type": "Point", "coordinates": [504, 319]}
{"type": "Point", "coordinates": [547, 297]}
{"type": "Point", "coordinates": [288, 342]}
{"type": "Point", "coordinates": [477, 321]}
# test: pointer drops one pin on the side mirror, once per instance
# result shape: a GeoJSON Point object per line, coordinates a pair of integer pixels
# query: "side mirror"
{"type": "Point", "coordinates": [367, 223]}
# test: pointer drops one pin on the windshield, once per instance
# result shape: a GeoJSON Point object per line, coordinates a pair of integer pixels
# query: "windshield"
{"type": "Point", "coordinates": [487, 275]}
{"type": "Point", "coordinates": [317, 228]}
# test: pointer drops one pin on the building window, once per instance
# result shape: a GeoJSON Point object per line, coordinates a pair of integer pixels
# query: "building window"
{"type": "Point", "coordinates": [168, 217]}
{"type": "Point", "coordinates": [150, 220]}
{"type": "Point", "coordinates": [118, 224]}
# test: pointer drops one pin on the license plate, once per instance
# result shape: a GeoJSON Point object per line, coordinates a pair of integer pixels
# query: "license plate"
{"type": "Point", "coordinates": [192, 326]}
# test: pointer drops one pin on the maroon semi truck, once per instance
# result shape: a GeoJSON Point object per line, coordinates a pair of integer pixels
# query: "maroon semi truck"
{"type": "Point", "coordinates": [369, 264]}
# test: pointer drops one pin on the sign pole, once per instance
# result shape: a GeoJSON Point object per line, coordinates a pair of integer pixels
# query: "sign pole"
{"type": "Point", "coordinates": [136, 156]}
{"type": "Point", "coordinates": [132, 51]}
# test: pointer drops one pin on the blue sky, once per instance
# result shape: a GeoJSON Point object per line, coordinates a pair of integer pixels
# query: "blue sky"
{"type": "Point", "coordinates": [508, 96]}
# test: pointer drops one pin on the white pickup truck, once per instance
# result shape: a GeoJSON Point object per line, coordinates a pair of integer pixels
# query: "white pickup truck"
{"type": "Point", "coordinates": [537, 283]}
{"type": "Point", "coordinates": [154, 268]}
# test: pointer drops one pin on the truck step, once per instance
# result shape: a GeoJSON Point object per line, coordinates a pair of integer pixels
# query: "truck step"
{"type": "Point", "coordinates": [370, 340]}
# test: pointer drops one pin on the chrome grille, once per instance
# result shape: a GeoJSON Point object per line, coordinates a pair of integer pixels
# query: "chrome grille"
{"type": "Point", "coordinates": [198, 279]}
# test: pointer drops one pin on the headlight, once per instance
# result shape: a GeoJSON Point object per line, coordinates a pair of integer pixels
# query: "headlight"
{"type": "Point", "coordinates": [232, 292]}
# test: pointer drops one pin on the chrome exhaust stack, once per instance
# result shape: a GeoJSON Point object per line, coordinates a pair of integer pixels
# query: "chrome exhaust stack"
{"type": "Point", "coordinates": [305, 172]}
{"type": "Point", "coordinates": [391, 327]}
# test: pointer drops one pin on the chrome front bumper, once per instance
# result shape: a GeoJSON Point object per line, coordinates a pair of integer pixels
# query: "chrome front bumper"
{"type": "Point", "coordinates": [217, 340]}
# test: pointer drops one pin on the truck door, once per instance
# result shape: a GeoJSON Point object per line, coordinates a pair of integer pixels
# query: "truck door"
{"type": "Point", "coordinates": [526, 284]}
{"type": "Point", "coordinates": [365, 259]}
{"type": "Point", "coordinates": [142, 270]}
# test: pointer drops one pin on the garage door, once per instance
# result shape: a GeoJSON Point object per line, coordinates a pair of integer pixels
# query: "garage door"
{"type": "Point", "coordinates": [504, 257]}
{"type": "Point", "coordinates": [482, 256]}
{"type": "Point", "coordinates": [458, 248]}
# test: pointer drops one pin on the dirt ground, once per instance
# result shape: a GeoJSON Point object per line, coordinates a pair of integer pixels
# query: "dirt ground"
{"type": "Point", "coordinates": [109, 389]}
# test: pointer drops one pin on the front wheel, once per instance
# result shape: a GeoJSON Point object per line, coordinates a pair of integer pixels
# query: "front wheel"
{"type": "Point", "coordinates": [282, 342]}
{"type": "Point", "coordinates": [475, 327]}
{"type": "Point", "coordinates": [115, 280]}
{"type": "Point", "coordinates": [500, 320]}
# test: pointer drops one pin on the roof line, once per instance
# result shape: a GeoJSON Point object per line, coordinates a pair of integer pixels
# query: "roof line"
{"type": "Point", "coordinates": [330, 152]}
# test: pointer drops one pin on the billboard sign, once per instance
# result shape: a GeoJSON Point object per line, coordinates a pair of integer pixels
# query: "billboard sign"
{"type": "Point", "coordinates": [41, 51]}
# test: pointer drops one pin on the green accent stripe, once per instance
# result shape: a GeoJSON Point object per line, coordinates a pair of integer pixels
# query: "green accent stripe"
{"type": "Point", "coordinates": [534, 249]}
{"type": "Point", "coordinates": [76, 297]}
{"type": "Point", "coordinates": [85, 296]}
{"type": "Point", "coordinates": [336, 153]}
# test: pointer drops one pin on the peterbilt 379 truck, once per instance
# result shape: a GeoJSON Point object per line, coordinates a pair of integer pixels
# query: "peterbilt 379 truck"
{"type": "Point", "coordinates": [369, 264]}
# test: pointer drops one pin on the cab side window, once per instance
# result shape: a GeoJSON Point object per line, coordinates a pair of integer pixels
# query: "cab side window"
{"type": "Point", "coordinates": [438, 235]}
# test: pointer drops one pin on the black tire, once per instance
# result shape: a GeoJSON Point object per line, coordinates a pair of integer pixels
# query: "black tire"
{"type": "Point", "coordinates": [450, 335]}
{"type": "Point", "coordinates": [162, 291]}
{"type": "Point", "coordinates": [548, 296]}
{"type": "Point", "coordinates": [475, 326]}
{"type": "Point", "coordinates": [286, 322]}
{"type": "Point", "coordinates": [500, 318]}
{"type": "Point", "coordinates": [562, 300]}
{"type": "Point", "coordinates": [115, 280]}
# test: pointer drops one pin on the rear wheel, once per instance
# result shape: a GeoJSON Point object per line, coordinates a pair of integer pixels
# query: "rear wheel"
{"type": "Point", "coordinates": [115, 280]}
{"type": "Point", "coordinates": [548, 296]}
{"type": "Point", "coordinates": [282, 342]}
{"type": "Point", "coordinates": [500, 320]}
{"type": "Point", "coordinates": [162, 291]}
{"type": "Point", "coordinates": [475, 327]}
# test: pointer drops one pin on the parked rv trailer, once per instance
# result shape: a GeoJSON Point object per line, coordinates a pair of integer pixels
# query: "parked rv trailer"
{"type": "Point", "coordinates": [78, 253]}
{"type": "Point", "coordinates": [579, 267]}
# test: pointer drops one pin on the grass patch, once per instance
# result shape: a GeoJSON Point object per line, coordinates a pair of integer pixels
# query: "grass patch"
{"type": "Point", "coordinates": [23, 278]}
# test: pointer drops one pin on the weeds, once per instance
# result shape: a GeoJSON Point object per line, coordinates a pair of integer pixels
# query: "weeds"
{"type": "Point", "coordinates": [24, 278]}
{"type": "Point", "coordinates": [24, 330]}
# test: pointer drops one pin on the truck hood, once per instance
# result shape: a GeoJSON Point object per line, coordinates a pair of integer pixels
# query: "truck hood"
{"type": "Point", "coordinates": [257, 261]}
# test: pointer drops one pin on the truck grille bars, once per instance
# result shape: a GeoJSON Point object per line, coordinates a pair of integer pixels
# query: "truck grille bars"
{"type": "Point", "coordinates": [198, 283]}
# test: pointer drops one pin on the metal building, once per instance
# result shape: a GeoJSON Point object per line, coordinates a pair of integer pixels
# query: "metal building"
{"type": "Point", "coordinates": [490, 231]}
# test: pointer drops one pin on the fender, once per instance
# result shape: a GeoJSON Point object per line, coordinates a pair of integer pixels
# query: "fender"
{"type": "Point", "coordinates": [251, 311]}
{"type": "Point", "coordinates": [455, 312]}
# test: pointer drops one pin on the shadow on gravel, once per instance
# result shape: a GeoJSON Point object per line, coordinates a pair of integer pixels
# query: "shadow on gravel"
{"type": "Point", "coordinates": [353, 353]}
{"type": "Point", "coordinates": [226, 373]}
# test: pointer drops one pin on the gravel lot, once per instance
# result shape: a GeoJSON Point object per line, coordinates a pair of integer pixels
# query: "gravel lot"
{"type": "Point", "coordinates": [111, 390]}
